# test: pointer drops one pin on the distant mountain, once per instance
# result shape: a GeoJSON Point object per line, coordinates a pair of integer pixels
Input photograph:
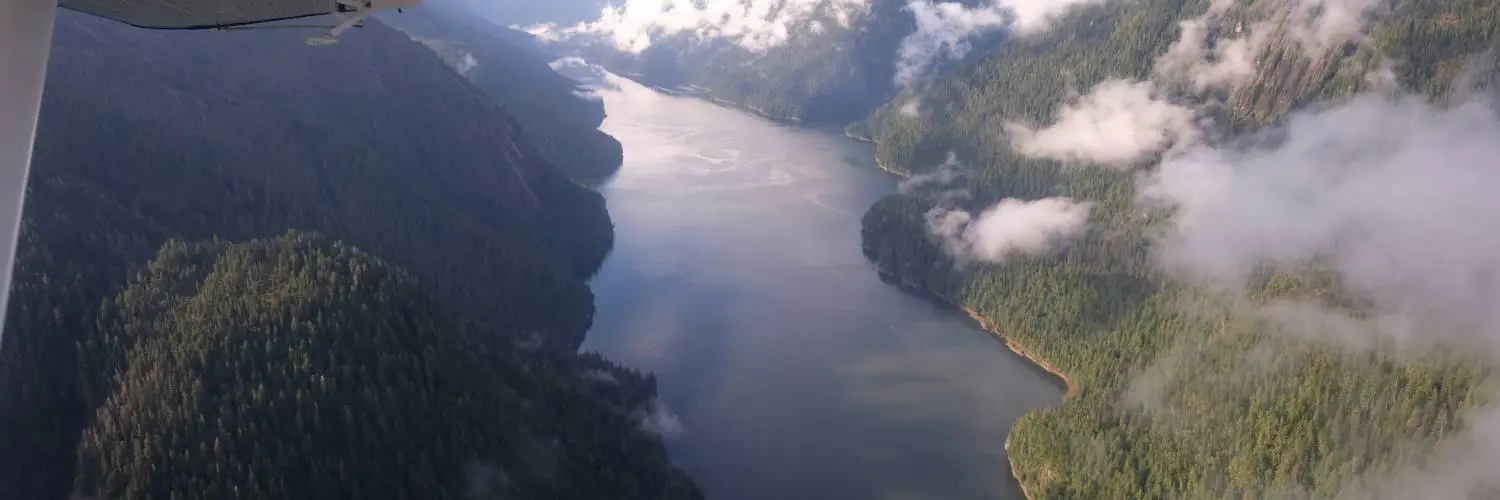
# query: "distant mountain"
{"type": "Point", "coordinates": [150, 137]}
{"type": "Point", "coordinates": [509, 68]}
{"type": "Point", "coordinates": [835, 65]}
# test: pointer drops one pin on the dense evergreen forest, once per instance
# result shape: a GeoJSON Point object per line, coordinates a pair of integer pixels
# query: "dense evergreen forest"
{"type": "Point", "coordinates": [509, 68]}
{"type": "Point", "coordinates": [298, 367]}
{"type": "Point", "coordinates": [1180, 392]}
{"type": "Point", "coordinates": [439, 357]}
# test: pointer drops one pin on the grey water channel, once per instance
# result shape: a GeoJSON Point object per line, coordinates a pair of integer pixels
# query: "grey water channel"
{"type": "Point", "coordinates": [788, 370]}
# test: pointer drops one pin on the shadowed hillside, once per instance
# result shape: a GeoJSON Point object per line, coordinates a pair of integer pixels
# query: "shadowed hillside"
{"type": "Point", "coordinates": [148, 137]}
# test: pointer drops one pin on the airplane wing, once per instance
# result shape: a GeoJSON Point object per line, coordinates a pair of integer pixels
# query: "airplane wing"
{"type": "Point", "coordinates": [207, 14]}
{"type": "Point", "coordinates": [198, 14]}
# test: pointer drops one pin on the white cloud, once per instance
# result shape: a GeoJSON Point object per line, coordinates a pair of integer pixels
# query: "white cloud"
{"type": "Point", "coordinates": [944, 28]}
{"type": "Point", "coordinates": [1227, 63]}
{"type": "Point", "coordinates": [1009, 227]}
{"type": "Point", "coordinates": [1462, 467]}
{"type": "Point", "coordinates": [912, 108]}
{"type": "Point", "coordinates": [940, 177]}
{"type": "Point", "coordinates": [1118, 123]}
{"type": "Point", "coordinates": [1395, 194]}
{"type": "Point", "coordinates": [756, 25]}
{"type": "Point", "coordinates": [1396, 197]}
{"type": "Point", "coordinates": [1035, 16]}
{"type": "Point", "coordinates": [1392, 195]}
{"type": "Point", "coordinates": [462, 61]}
{"type": "Point", "coordinates": [660, 420]}
{"type": "Point", "coordinates": [1320, 25]}
{"type": "Point", "coordinates": [1210, 54]}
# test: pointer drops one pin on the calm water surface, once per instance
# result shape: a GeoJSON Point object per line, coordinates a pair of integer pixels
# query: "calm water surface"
{"type": "Point", "coordinates": [792, 370]}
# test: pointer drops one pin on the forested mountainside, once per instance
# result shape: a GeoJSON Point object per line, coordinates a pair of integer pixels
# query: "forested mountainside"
{"type": "Point", "coordinates": [836, 66]}
{"type": "Point", "coordinates": [507, 66]}
{"type": "Point", "coordinates": [297, 367]}
{"type": "Point", "coordinates": [150, 137]}
{"type": "Point", "coordinates": [1287, 384]}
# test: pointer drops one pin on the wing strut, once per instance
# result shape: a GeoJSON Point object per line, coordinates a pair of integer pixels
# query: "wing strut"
{"type": "Point", "coordinates": [350, 13]}
{"type": "Point", "coordinates": [25, 39]}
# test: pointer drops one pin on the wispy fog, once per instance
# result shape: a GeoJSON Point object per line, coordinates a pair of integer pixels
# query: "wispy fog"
{"type": "Point", "coordinates": [1008, 228]}
{"type": "Point", "coordinates": [943, 29]}
{"type": "Point", "coordinates": [1393, 194]}
{"type": "Point", "coordinates": [1118, 123]}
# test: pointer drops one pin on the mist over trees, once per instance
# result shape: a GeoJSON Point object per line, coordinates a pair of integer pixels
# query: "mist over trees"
{"type": "Point", "coordinates": [1224, 315]}
{"type": "Point", "coordinates": [812, 61]}
{"type": "Point", "coordinates": [1241, 271]}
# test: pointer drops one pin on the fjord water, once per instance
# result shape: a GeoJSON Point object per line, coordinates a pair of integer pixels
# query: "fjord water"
{"type": "Point", "coordinates": [787, 368]}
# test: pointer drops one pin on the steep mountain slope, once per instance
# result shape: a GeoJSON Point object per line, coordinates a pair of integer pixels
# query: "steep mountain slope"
{"type": "Point", "coordinates": [1025, 79]}
{"type": "Point", "coordinates": [267, 368]}
{"type": "Point", "coordinates": [150, 136]}
{"type": "Point", "coordinates": [1184, 389]}
{"type": "Point", "coordinates": [506, 65]}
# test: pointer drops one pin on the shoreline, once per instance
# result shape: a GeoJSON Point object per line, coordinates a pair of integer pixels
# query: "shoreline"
{"type": "Point", "coordinates": [1023, 351]}
{"type": "Point", "coordinates": [860, 138]}
{"type": "Point", "coordinates": [993, 328]}
{"type": "Point", "coordinates": [726, 103]}
{"type": "Point", "coordinates": [900, 175]}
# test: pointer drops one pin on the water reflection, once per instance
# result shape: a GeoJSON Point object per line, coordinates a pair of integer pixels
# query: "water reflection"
{"type": "Point", "coordinates": [795, 372]}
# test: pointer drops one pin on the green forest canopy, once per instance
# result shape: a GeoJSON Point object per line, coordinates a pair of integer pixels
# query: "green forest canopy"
{"type": "Point", "coordinates": [1234, 410]}
{"type": "Point", "coordinates": [299, 367]}
{"type": "Point", "coordinates": [472, 246]}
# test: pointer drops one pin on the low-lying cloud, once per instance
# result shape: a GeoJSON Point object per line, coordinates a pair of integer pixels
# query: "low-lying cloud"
{"type": "Point", "coordinates": [944, 28]}
{"type": "Point", "coordinates": [999, 232]}
{"type": "Point", "coordinates": [1008, 228]}
{"type": "Point", "coordinates": [1321, 25]}
{"type": "Point", "coordinates": [659, 420]}
{"type": "Point", "coordinates": [1393, 196]}
{"type": "Point", "coordinates": [1396, 195]}
{"type": "Point", "coordinates": [940, 177]}
{"type": "Point", "coordinates": [1118, 123]}
{"type": "Point", "coordinates": [756, 25]}
{"type": "Point", "coordinates": [1210, 53]}
{"type": "Point", "coordinates": [1225, 63]}
{"type": "Point", "coordinates": [912, 108]}
{"type": "Point", "coordinates": [1461, 468]}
